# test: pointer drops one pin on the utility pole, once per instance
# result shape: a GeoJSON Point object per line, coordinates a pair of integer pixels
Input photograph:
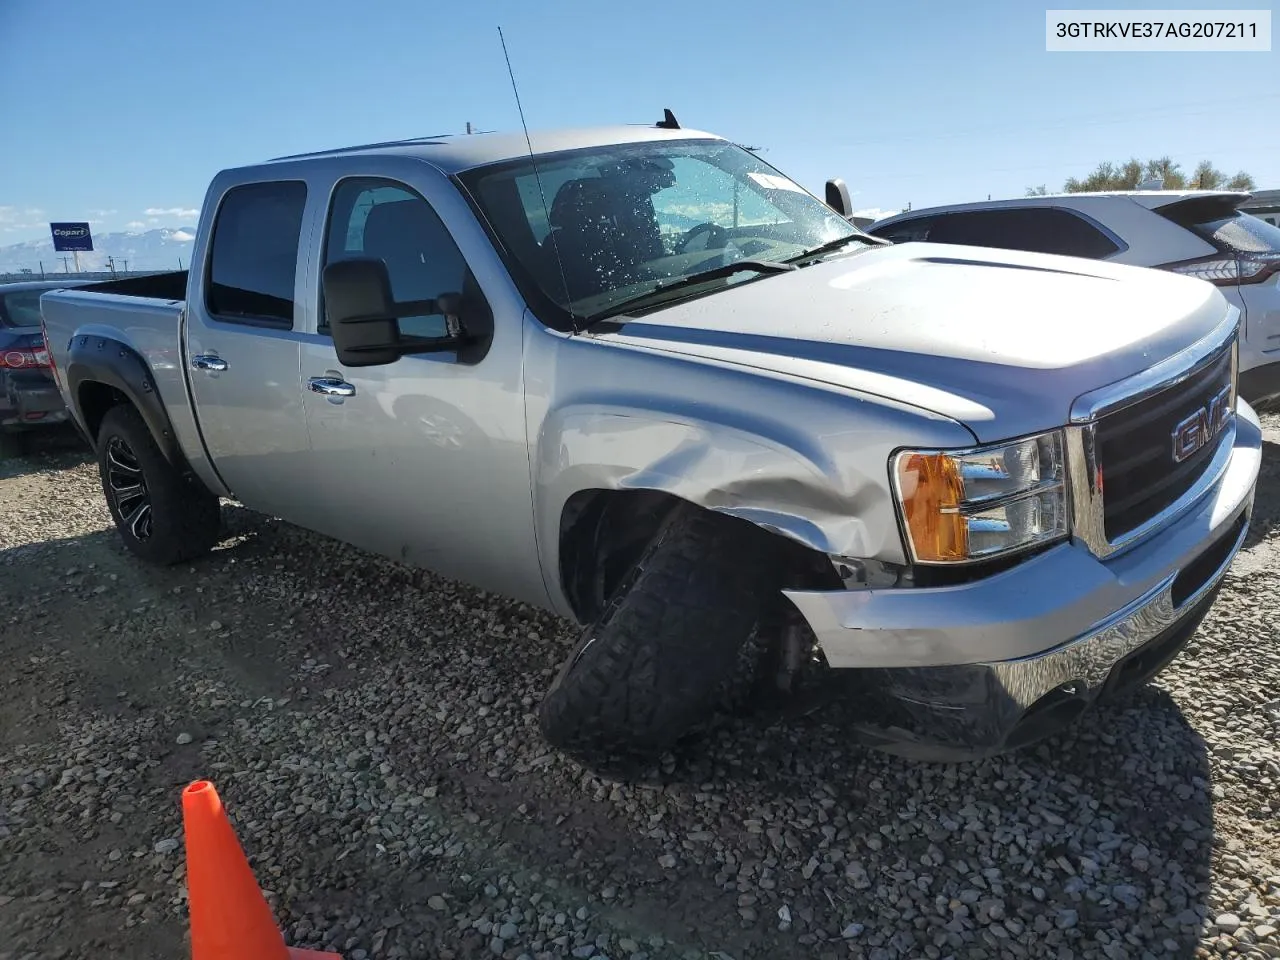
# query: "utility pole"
{"type": "Point", "coordinates": [126, 262]}
{"type": "Point", "coordinates": [180, 267]}
{"type": "Point", "coordinates": [111, 265]}
{"type": "Point", "coordinates": [65, 266]}
{"type": "Point", "coordinates": [41, 262]}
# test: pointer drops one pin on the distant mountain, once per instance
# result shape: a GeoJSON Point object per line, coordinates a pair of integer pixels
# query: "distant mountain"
{"type": "Point", "coordinates": [158, 249]}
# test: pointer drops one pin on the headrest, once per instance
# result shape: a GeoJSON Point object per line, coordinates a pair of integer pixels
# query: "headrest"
{"type": "Point", "coordinates": [583, 199]}
{"type": "Point", "coordinates": [404, 224]}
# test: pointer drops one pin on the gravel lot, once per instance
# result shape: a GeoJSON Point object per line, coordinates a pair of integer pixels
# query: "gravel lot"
{"type": "Point", "coordinates": [371, 730]}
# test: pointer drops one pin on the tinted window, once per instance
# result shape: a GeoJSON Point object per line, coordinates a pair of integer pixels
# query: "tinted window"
{"type": "Point", "coordinates": [255, 253]}
{"type": "Point", "coordinates": [904, 231]}
{"type": "Point", "coordinates": [1035, 229]}
{"type": "Point", "coordinates": [20, 309]}
{"type": "Point", "coordinates": [388, 221]}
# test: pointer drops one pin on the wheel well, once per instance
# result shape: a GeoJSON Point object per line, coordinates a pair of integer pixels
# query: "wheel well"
{"type": "Point", "coordinates": [604, 532]}
{"type": "Point", "coordinates": [94, 400]}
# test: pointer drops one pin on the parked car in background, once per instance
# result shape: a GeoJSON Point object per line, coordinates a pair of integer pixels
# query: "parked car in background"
{"type": "Point", "coordinates": [29, 398]}
{"type": "Point", "coordinates": [1265, 205]}
{"type": "Point", "coordinates": [1199, 233]}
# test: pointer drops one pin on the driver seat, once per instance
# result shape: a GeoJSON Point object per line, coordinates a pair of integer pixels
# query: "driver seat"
{"type": "Point", "coordinates": [601, 234]}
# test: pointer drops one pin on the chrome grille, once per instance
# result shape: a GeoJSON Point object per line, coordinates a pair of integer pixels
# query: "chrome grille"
{"type": "Point", "coordinates": [1135, 447]}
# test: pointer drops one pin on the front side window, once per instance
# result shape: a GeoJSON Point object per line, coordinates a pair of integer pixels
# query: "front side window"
{"type": "Point", "coordinates": [904, 231]}
{"type": "Point", "coordinates": [379, 219]}
{"type": "Point", "coordinates": [254, 254]}
{"type": "Point", "coordinates": [609, 223]}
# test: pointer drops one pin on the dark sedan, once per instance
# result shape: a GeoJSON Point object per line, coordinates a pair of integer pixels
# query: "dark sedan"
{"type": "Point", "coordinates": [29, 399]}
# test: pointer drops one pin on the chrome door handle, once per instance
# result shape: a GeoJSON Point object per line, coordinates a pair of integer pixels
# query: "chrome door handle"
{"type": "Point", "coordinates": [331, 387]}
{"type": "Point", "coordinates": [206, 361]}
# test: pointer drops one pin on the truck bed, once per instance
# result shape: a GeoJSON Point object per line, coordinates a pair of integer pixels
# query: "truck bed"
{"type": "Point", "coordinates": [160, 286]}
{"type": "Point", "coordinates": [141, 313]}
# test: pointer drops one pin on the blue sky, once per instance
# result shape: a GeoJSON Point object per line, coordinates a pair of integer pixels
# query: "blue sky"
{"type": "Point", "coordinates": [112, 110]}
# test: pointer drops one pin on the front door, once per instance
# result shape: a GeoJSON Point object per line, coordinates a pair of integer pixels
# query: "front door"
{"type": "Point", "coordinates": [424, 459]}
{"type": "Point", "coordinates": [242, 347]}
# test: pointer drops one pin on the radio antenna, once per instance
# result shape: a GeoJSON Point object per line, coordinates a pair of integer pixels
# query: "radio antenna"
{"type": "Point", "coordinates": [546, 211]}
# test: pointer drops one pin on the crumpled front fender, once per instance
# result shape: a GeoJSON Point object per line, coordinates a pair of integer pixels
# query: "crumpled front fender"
{"type": "Point", "coordinates": [823, 488]}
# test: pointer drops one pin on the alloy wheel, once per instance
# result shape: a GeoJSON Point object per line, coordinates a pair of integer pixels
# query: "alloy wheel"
{"type": "Point", "coordinates": [128, 488]}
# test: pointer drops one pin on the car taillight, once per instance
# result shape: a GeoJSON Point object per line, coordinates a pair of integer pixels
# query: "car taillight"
{"type": "Point", "coordinates": [1229, 271]}
{"type": "Point", "coordinates": [27, 358]}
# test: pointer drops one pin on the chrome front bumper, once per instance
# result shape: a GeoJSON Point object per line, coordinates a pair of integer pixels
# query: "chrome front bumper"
{"type": "Point", "coordinates": [1090, 660]}
{"type": "Point", "coordinates": [1055, 625]}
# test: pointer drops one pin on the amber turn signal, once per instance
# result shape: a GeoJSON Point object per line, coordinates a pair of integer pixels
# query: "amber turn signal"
{"type": "Point", "coordinates": [932, 491]}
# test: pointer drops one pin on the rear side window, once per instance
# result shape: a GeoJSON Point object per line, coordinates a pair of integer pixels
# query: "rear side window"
{"type": "Point", "coordinates": [1034, 229]}
{"type": "Point", "coordinates": [254, 254]}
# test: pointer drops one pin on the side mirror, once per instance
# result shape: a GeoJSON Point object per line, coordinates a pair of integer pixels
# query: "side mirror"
{"type": "Point", "coordinates": [838, 198]}
{"type": "Point", "coordinates": [363, 315]}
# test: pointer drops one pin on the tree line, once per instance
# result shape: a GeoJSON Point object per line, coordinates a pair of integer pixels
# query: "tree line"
{"type": "Point", "coordinates": [1128, 175]}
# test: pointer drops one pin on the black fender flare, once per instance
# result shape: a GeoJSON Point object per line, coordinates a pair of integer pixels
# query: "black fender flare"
{"type": "Point", "coordinates": [93, 358]}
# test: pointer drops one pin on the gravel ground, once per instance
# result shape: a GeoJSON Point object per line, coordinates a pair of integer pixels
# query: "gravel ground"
{"type": "Point", "coordinates": [371, 730]}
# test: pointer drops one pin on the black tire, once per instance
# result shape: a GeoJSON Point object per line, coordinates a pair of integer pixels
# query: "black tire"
{"type": "Point", "coordinates": [654, 666]}
{"type": "Point", "coordinates": [163, 517]}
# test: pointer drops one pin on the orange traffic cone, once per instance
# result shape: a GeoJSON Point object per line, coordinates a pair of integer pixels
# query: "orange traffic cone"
{"type": "Point", "coordinates": [230, 919]}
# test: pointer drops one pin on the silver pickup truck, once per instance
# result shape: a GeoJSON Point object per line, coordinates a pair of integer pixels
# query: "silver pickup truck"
{"type": "Point", "coordinates": [640, 378]}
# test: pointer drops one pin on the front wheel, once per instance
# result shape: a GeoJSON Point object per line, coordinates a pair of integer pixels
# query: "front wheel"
{"type": "Point", "coordinates": [163, 517]}
{"type": "Point", "coordinates": [655, 665]}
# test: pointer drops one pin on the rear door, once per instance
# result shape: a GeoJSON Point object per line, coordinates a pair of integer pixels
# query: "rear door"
{"type": "Point", "coordinates": [242, 344]}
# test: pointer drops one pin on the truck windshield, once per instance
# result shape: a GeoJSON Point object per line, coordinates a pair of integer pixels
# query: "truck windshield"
{"type": "Point", "coordinates": [618, 220]}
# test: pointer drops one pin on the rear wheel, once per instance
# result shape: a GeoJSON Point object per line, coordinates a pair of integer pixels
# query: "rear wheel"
{"type": "Point", "coordinates": [163, 517]}
{"type": "Point", "coordinates": [656, 664]}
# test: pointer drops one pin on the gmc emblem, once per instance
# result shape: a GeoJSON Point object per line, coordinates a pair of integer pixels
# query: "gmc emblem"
{"type": "Point", "coordinates": [1194, 431]}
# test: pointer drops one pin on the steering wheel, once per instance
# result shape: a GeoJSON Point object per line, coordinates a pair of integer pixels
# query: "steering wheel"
{"type": "Point", "coordinates": [717, 237]}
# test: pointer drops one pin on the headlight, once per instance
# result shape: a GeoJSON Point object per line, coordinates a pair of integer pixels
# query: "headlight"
{"type": "Point", "coordinates": [960, 506]}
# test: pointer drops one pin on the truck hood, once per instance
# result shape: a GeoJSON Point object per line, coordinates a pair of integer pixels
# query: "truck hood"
{"type": "Point", "coordinates": [1001, 341]}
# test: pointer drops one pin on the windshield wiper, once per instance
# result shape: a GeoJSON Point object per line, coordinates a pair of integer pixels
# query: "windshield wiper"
{"type": "Point", "coordinates": [661, 290]}
{"type": "Point", "coordinates": [724, 270]}
{"type": "Point", "coordinates": [835, 244]}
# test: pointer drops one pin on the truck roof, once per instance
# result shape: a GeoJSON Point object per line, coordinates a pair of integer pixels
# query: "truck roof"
{"type": "Point", "coordinates": [454, 153]}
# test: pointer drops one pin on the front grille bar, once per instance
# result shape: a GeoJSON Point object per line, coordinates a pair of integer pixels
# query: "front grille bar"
{"type": "Point", "coordinates": [1086, 480]}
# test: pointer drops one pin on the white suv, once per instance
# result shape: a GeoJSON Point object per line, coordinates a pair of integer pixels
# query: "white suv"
{"type": "Point", "coordinates": [1197, 232]}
